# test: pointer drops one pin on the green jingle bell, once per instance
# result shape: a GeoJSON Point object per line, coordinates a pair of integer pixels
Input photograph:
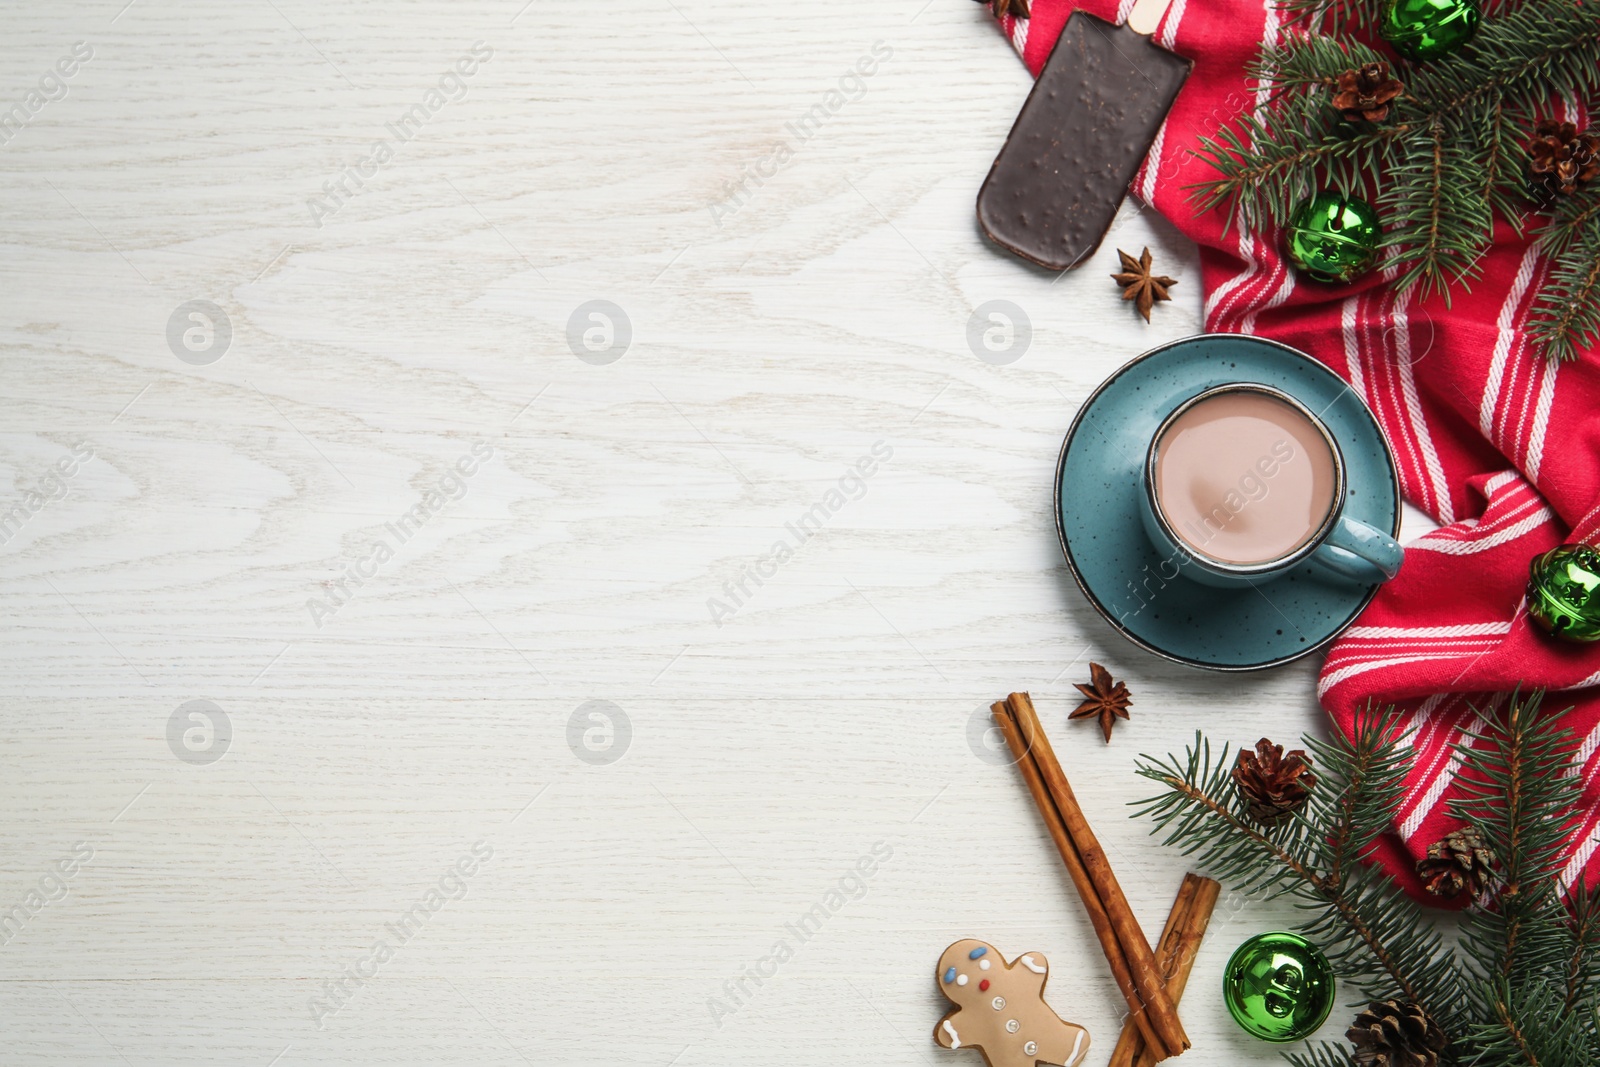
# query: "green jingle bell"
{"type": "Point", "coordinates": [1428, 29]}
{"type": "Point", "coordinates": [1333, 237]}
{"type": "Point", "coordinates": [1564, 592]}
{"type": "Point", "coordinates": [1278, 987]}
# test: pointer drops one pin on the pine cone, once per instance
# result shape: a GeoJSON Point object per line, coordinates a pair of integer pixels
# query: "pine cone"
{"type": "Point", "coordinates": [1274, 784]}
{"type": "Point", "coordinates": [1364, 92]}
{"type": "Point", "coordinates": [1002, 8]}
{"type": "Point", "coordinates": [1561, 159]}
{"type": "Point", "coordinates": [1456, 864]}
{"type": "Point", "coordinates": [1395, 1033]}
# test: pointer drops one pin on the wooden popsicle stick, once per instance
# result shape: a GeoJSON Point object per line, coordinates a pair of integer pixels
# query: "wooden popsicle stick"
{"type": "Point", "coordinates": [1006, 720]}
{"type": "Point", "coordinates": [1146, 15]}
{"type": "Point", "coordinates": [1141, 962]}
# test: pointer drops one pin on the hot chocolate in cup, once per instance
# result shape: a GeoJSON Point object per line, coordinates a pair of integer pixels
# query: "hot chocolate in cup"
{"type": "Point", "coordinates": [1243, 483]}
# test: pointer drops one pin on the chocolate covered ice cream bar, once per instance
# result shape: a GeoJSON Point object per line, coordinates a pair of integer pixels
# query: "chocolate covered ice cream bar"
{"type": "Point", "coordinates": [1080, 137]}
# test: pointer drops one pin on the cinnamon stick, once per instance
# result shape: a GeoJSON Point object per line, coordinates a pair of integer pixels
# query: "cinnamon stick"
{"type": "Point", "coordinates": [1186, 948]}
{"type": "Point", "coordinates": [1080, 877]}
{"type": "Point", "coordinates": [1175, 953]}
{"type": "Point", "coordinates": [1147, 980]}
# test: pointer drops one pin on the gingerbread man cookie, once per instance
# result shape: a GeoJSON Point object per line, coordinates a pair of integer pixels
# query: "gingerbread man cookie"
{"type": "Point", "coordinates": [1000, 1009]}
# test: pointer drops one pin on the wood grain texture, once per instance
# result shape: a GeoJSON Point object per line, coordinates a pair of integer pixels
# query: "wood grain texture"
{"type": "Point", "coordinates": [772, 346]}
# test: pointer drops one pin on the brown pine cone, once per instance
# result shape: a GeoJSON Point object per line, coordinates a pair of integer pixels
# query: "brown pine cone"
{"type": "Point", "coordinates": [1364, 92]}
{"type": "Point", "coordinates": [1561, 158]}
{"type": "Point", "coordinates": [1458, 863]}
{"type": "Point", "coordinates": [1001, 8]}
{"type": "Point", "coordinates": [1274, 784]}
{"type": "Point", "coordinates": [1395, 1033]}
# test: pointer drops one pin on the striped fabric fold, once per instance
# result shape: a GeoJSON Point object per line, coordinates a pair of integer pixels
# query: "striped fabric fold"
{"type": "Point", "coordinates": [1499, 446]}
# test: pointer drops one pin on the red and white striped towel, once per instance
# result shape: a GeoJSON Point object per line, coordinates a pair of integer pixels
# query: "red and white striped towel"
{"type": "Point", "coordinates": [1501, 447]}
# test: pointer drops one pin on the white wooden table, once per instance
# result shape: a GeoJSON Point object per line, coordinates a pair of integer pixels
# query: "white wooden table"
{"type": "Point", "coordinates": [797, 272]}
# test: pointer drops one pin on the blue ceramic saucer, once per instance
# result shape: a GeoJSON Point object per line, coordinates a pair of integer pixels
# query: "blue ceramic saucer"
{"type": "Point", "coordinates": [1098, 486]}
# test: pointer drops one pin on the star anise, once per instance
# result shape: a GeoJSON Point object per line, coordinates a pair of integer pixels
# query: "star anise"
{"type": "Point", "coordinates": [1014, 8]}
{"type": "Point", "coordinates": [1364, 92]}
{"type": "Point", "coordinates": [1106, 700]}
{"type": "Point", "coordinates": [1140, 285]}
{"type": "Point", "coordinates": [1562, 159]}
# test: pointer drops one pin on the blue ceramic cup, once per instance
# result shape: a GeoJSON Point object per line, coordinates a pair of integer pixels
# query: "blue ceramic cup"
{"type": "Point", "coordinates": [1335, 544]}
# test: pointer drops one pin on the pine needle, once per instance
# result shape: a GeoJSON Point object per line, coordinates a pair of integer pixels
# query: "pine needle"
{"type": "Point", "coordinates": [1522, 985]}
{"type": "Point", "coordinates": [1449, 159]}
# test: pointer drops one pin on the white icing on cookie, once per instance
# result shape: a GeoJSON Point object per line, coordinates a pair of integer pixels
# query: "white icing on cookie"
{"type": "Point", "coordinates": [955, 1038]}
{"type": "Point", "coordinates": [961, 979]}
{"type": "Point", "coordinates": [1027, 961]}
{"type": "Point", "coordinates": [983, 965]}
{"type": "Point", "coordinates": [1076, 1045]}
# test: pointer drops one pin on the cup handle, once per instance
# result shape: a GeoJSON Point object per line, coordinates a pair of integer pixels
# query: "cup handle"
{"type": "Point", "coordinates": [1360, 552]}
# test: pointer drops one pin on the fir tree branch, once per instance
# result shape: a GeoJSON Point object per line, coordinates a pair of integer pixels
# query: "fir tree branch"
{"type": "Point", "coordinates": [1435, 195]}
{"type": "Point", "coordinates": [1566, 316]}
{"type": "Point", "coordinates": [1372, 766]}
{"type": "Point", "coordinates": [1310, 62]}
{"type": "Point", "coordinates": [1523, 989]}
{"type": "Point", "coordinates": [1519, 54]}
{"type": "Point", "coordinates": [1562, 35]}
{"type": "Point", "coordinates": [1325, 887]}
{"type": "Point", "coordinates": [1368, 926]}
{"type": "Point", "coordinates": [1321, 1054]}
{"type": "Point", "coordinates": [1220, 810]}
{"type": "Point", "coordinates": [1339, 841]}
{"type": "Point", "coordinates": [1449, 159]}
{"type": "Point", "coordinates": [1584, 928]}
{"type": "Point", "coordinates": [1505, 162]}
{"type": "Point", "coordinates": [1333, 16]}
{"type": "Point", "coordinates": [1572, 219]}
{"type": "Point", "coordinates": [1257, 185]}
{"type": "Point", "coordinates": [1434, 219]}
{"type": "Point", "coordinates": [1491, 167]}
{"type": "Point", "coordinates": [1515, 1031]}
{"type": "Point", "coordinates": [1515, 790]}
{"type": "Point", "coordinates": [1527, 1025]}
